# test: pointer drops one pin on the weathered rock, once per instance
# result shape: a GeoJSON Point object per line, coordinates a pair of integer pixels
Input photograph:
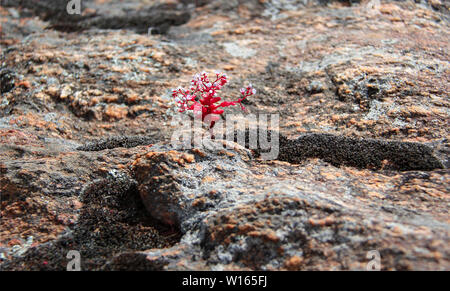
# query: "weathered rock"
{"type": "Point", "coordinates": [362, 96]}
{"type": "Point", "coordinates": [6, 80]}
{"type": "Point", "coordinates": [109, 219]}
{"type": "Point", "coordinates": [237, 213]}
{"type": "Point", "coordinates": [156, 19]}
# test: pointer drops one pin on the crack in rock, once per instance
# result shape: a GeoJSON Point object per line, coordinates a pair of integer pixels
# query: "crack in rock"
{"type": "Point", "coordinates": [115, 142]}
{"type": "Point", "coordinates": [337, 150]}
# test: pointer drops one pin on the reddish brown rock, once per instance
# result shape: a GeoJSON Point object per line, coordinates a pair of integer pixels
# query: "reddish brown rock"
{"type": "Point", "coordinates": [85, 120]}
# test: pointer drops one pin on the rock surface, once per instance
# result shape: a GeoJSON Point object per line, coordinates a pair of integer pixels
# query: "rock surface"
{"type": "Point", "coordinates": [85, 127]}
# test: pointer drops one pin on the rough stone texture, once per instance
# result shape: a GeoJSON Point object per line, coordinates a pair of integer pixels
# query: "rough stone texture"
{"type": "Point", "coordinates": [361, 153]}
{"type": "Point", "coordinates": [85, 124]}
{"type": "Point", "coordinates": [240, 213]}
{"type": "Point", "coordinates": [139, 17]}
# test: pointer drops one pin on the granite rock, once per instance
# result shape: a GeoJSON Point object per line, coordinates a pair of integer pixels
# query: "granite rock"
{"type": "Point", "coordinates": [87, 163]}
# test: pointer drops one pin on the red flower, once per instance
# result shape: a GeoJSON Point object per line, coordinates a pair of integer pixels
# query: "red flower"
{"type": "Point", "coordinates": [202, 97]}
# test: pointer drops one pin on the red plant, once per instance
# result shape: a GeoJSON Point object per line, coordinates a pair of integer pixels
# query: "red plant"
{"type": "Point", "coordinates": [202, 97]}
